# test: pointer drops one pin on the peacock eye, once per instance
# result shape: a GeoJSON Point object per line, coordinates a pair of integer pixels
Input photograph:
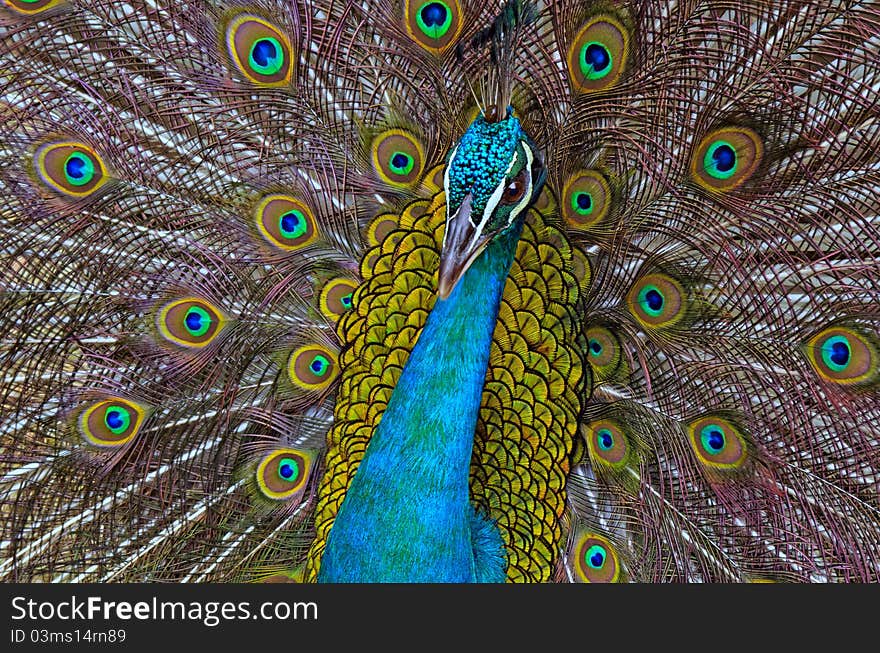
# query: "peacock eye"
{"type": "Point", "coordinates": [596, 560]}
{"type": "Point", "coordinates": [434, 25]}
{"type": "Point", "coordinates": [515, 190]}
{"type": "Point", "coordinates": [844, 355]}
{"type": "Point", "coordinates": [71, 168]}
{"type": "Point", "coordinates": [607, 444]}
{"type": "Point", "coordinates": [718, 444]}
{"type": "Point", "coordinates": [259, 50]}
{"type": "Point", "coordinates": [189, 322]}
{"type": "Point", "coordinates": [111, 422]}
{"type": "Point", "coordinates": [283, 473]}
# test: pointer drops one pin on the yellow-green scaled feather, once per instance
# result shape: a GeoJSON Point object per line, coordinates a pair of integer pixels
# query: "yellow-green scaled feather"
{"type": "Point", "coordinates": [534, 385]}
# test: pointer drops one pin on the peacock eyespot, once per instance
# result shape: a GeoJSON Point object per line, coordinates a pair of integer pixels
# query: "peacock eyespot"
{"type": "Point", "coordinates": [313, 367]}
{"type": "Point", "coordinates": [603, 352]}
{"type": "Point", "coordinates": [657, 301]}
{"type": "Point", "coordinates": [189, 322]}
{"type": "Point", "coordinates": [197, 321]}
{"type": "Point", "coordinates": [598, 54]}
{"type": "Point", "coordinates": [288, 469]}
{"type": "Point", "coordinates": [111, 422]}
{"type": "Point", "coordinates": [712, 439]}
{"type": "Point", "coordinates": [607, 444]}
{"type": "Point", "coordinates": [586, 199]}
{"type": "Point", "coordinates": [282, 474]}
{"type": "Point", "coordinates": [651, 299]}
{"type": "Point", "coordinates": [726, 158]}
{"type": "Point", "coordinates": [398, 158]}
{"type": "Point", "coordinates": [71, 168]}
{"type": "Point", "coordinates": [285, 222]}
{"type": "Point", "coordinates": [117, 419]}
{"type": "Point", "coordinates": [319, 365]}
{"type": "Point", "coordinates": [844, 356]}
{"type": "Point", "coordinates": [836, 353]}
{"type": "Point", "coordinates": [582, 202]}
{"type": "Point", "coordinates": [596, 560]}
{"type": "Point", "coordinates": [32, 6]}
{"type": "Point", "coordinates": [78, 169]}
{"type": "Point", "coordinates": [718, 443]}
{"type": "Point", "coordinates": [435, 24]}
{"type": "Point", "coordinates": [259, 50]}
{"type": "Point", "coordinates": [336, 297]}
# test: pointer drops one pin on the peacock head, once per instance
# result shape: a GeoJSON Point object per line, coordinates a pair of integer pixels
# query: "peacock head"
{"type": "Point", "coordinates": [493, 175]}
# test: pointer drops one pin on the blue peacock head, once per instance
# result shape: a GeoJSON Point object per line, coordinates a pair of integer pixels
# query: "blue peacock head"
{"type": "Point", "coordinates": [494, 174]}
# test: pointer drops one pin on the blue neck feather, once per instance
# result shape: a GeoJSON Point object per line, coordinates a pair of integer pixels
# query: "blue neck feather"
{"type": "Point", "coordinates": [407, 516]}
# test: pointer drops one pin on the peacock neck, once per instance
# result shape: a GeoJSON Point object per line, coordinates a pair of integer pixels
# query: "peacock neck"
{"type": "Point", "coordinates": [407, 515]}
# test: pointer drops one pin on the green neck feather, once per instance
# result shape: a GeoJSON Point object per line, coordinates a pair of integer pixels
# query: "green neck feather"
{"type": "Point", "coordinates": [407, 515]}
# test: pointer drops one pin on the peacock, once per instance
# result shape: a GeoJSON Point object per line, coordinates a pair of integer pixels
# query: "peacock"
{"type": "Point", "coordinates": [440, 291]}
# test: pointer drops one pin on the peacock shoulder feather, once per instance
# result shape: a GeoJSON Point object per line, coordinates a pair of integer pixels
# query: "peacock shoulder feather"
{"type": "Point", "coordinates": [533, 386]}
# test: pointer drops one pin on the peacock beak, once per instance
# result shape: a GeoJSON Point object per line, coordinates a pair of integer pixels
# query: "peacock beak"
{"type": "Point", "coordinates": [461, 246]}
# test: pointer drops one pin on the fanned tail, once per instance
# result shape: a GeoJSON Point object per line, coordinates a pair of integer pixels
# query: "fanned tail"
{"type": "Point", "coordinates": [193, 194]}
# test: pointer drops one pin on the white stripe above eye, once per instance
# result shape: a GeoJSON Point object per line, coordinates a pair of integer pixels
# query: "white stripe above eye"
{"type": "Point", "coordinates": [527, 196]}
{"type": "Point", "coordinates": [495, 198]}
{"type": "Point", "coordinates": [446, 188]}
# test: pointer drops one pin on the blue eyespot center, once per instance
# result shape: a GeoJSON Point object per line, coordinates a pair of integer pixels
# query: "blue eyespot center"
{"type": "Point", "coordinates": [433, 14]}
{"type": "Point", "coordinates": [714, 439]}
{"type": "Point", "coordinates": [654, 300]}
{"type": "Point", "coordinates": [264, 52]}
{"type": "Point", "coordinates": [193, 321]}
{"type": "Point", "coordinates": [288, 469]}
{"type": "Point", "coordinates": [605, 439]}
{"type": "Point", "coordinates": [725, 158]}
{"type": "Point", "coordinates": [346, 300]}
{"type": "Point", "coordinates": [114, 419]}
{"type": "Point", "coordinates": [293, 225]}
{"type": "Point", "coordinates": [584, 201]}
{"type": "Point", "coordinates": [290, 221]}
{"type": "Point", "coordinates": [597, 56]}
{"type": "Point", "coordinates": [836, 353]}
{"type": "Point", "coordinates": [399, 160]}
{"type": "Point", "coordinates": [596, 556]}
{"type": "Point", "coordinates": [839, 353]}
{"type": "Point", "coordinates": [595, 347]}
{"type": "Point", "coordinates": [117, 419]}
{"type": "Point", "coordinates": [76, 167]}
{"type": "Point", "coordinates": [197, 321]}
